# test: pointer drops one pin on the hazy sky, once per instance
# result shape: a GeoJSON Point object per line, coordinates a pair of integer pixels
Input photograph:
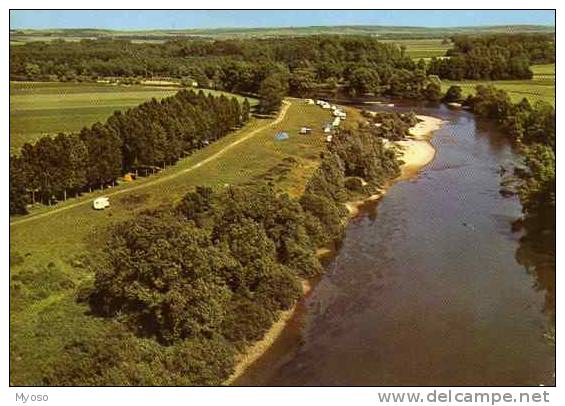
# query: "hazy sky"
{"type": "Point", "coordinates": [131, 20]}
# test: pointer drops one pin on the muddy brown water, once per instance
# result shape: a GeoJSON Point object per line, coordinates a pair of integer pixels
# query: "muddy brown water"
{"type": "Point", "coordinates": [425, 288]}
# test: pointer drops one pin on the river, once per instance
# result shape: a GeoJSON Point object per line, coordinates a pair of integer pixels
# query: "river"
{"type": "Point", "coordinates": [426, 288]}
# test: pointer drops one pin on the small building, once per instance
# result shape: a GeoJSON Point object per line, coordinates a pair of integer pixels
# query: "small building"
{"type": "Point", "coordinates": [100, 203]}
{"type": "Point", "coordinates": [336, 122]}
{"type": "Point", "coordinates": [309, 101]}
{"type": "Point", "coordinates": [328, 128]}
{"type": "Point", "coordinates": [281, 136]}
{"type": "Point", "coordinates": [329, 138]}
{"type": "Point", "coordinates": [305, 130]}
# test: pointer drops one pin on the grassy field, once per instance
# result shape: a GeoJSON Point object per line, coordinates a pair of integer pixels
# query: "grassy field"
{"type": "Point", "coordinates": [541, 87]}
{"type": "Point", "coordinates": [422, 48]}
{"type": "Point", "coordinates": [37, 109]}
{"type": "Point", "coordinates": [544, 70]}
{"type": "Point", "coordinates": [49, 268]}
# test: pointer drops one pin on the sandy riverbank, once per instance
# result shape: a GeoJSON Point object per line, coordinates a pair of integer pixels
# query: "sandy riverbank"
{"type": "Point", "coordinates": [258, 349]}
{"type": "Point", "coordinates": [416, 153]}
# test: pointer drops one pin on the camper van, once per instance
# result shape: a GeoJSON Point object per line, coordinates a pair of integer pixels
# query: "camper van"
{"type": "Point", "coordinates": [101, 203]}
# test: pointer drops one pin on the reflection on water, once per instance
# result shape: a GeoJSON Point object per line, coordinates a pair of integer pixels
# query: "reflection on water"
{"type": "Point", "coordinates": [536, 253]}
{"type": "Point", "coordinates": [430, 286]}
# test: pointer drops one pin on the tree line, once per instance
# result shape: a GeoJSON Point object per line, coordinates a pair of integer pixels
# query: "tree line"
{"type": "Point", "coordinates": [306, 66]}
{"type": "Point", "coordinates": [147, 137]}
{"type": "Point", "coordinates": [532, 129]}
{"type": "Point", "coordinates": [494, 57]}
{"type": "Point", "coordinates": [191, 286]}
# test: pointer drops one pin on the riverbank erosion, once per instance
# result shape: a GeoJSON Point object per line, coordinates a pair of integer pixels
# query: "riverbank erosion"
{"type": "Point", "coordinates": [415, 153]}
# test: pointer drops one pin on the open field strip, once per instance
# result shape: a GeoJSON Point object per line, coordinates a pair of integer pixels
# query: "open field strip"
{"type": "Point", "coordinates": [422, 48]}
{"type": "Point", "coordinates": [50, 253]}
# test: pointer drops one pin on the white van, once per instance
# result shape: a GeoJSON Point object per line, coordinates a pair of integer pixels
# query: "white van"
{"type": "Point", "coordinates": [100, 203]}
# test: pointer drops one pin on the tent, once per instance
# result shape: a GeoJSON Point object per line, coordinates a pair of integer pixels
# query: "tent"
{"type": "Point", "coordinates": [280, 136]}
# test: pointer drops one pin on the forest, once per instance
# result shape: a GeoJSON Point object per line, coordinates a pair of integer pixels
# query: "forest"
{"type": "Point", "coordinates": [494, 57]}
{"type": "Point", "coordinates": [307, 66]}
{"type": "Point", "coordinates": [190, 286]}
{"type": "Point", "coordinates": [142, 139]}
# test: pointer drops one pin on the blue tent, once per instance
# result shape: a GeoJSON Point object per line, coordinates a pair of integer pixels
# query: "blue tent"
{"type": "Point", "coordinates": [281, 136]}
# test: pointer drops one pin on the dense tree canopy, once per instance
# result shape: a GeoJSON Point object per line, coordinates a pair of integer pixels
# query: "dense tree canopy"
{"type": "Point", "coordinates": [308, 66]}
{"type": "Point", "coordinates": [494, 57]}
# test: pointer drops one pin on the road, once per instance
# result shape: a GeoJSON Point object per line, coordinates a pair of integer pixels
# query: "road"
{"type": "Point", "coordinates": [166, 178]}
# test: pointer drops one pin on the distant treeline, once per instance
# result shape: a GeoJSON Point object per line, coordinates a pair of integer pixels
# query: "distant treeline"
{"type": "Point", "coordinates": [190, 287]}
{"type": "Point", "coordinates": [309, 65]}
{"type": "Point", "coordinates": [147, 137]}
{"type": "Point", "coordinates": [494, 57]}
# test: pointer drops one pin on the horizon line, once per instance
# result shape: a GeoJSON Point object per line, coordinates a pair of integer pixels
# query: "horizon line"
{"type": "Point", "coordinates": [284, 27]}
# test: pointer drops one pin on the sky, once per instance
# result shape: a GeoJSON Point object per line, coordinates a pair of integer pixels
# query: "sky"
{"type": "Point", "coordinates": [183, 19]}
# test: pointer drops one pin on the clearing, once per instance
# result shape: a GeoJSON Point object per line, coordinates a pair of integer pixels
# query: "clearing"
{"type": "Point", "coordinates": [423, 48]}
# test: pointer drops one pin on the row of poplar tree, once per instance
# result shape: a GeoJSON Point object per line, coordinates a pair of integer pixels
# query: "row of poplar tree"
{"type": "Point", "coordinates": [144, 138]}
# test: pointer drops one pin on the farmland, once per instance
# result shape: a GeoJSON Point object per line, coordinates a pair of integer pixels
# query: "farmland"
{"type": "Point", "coordinates": [422, 48]}
{"type": "Point", "coordinates": [45, 314]}
{"type": "Point", "coordinates": [39, 108]}
{"type": "Point", "coordinates": [48, 108]}
{"type": "Point", "coordinates": [389, 32]}
{"type": "Point", "coordinates": [541, 87]}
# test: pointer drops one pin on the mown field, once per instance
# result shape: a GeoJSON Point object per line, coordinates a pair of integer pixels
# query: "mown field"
{"type": "Point", "coordinates": [541, 87]}
{"type": "Point", "coordinates": [37, 109]}
{"type": "Point", "coordinates": [423, 48]}
{"type": "Point", "coordinates": [49, 256]}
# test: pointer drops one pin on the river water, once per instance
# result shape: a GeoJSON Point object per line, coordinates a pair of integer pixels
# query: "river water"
{"type": "Point", "coordinates": [425, 288]}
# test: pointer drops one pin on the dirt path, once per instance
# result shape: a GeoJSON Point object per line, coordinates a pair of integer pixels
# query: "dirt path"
{"type": "Point", "coordinates": [166, 178]}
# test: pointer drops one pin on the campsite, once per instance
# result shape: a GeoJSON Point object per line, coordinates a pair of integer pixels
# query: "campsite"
{"type": "Point", "coordinates": [246, 206]}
